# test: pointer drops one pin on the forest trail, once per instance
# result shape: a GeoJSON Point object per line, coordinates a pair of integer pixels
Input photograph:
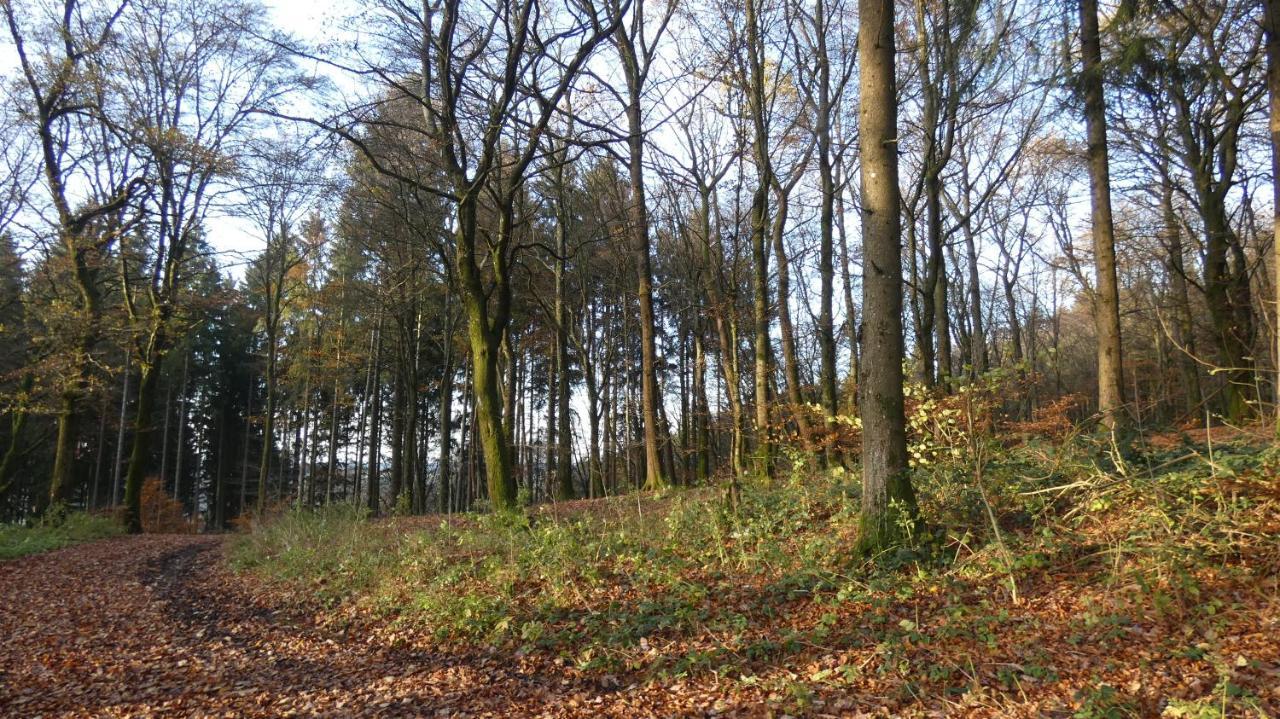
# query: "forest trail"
{"type": "Point", "coordinates": [157, 626]}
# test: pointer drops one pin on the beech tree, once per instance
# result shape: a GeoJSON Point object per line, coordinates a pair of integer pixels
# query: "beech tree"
{"type": "Point", "coordinates": [203, 73]}
{"type": "Point", "coordinates": [888, 502]}
{"type": "Point", "coordinates": [66, 114]}
{"type": "Point", "coordinates": [1107, 294]}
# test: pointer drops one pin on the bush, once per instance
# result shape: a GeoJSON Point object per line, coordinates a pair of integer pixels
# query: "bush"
{"type": "Point", "coordinates": [162, 514]}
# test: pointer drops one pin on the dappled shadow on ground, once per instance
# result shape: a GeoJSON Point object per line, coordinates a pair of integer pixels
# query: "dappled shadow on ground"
{"type": "Point", "coordinates": [158, 626]}
{"type": "Point", "coordinates": [153, 626]}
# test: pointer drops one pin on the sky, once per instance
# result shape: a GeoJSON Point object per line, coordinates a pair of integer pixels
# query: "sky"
{"type": "Point", "coordinates": [233, 237]}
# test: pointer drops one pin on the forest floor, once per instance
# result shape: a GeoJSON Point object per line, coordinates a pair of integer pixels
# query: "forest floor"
{"type": "Point", "coordinates": [1156, 594]}
{"type": "Point", "coordinates": [158, 626]}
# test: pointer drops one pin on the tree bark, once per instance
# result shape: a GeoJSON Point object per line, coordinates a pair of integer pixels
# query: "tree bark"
{"type": "Point", "coordinates": [1271, 23]}
{"type": "Point", "coordinates": [1107, 299]}
{"type": "Point", "coordinates": [148, 376]}
{"type": "Point", "coordinates": [888, 501]}
{"type": "Point", "coordinates": [760, 236]}
{"type": "Point", "coordinates": [826, 217]}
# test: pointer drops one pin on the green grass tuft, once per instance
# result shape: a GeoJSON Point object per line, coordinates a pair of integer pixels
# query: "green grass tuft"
{"type": "Point", "coordinates": [18, 541]}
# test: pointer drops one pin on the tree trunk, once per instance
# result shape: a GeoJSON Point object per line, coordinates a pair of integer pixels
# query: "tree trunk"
{"type": "Point", "coordinates": [17, 423]}
{"type": "Point", "coordinates": [564, 461]}
{"type": "Point", "coordinates": [1271, 23]}
{"type": "Point", "coordinates": [116, 486]}
{"type": "Point", "coordinates": [888, 501]}
{"type": "Point", "coordinates": [1184, 325]}
{"type": "Point", "coordinates": [446, 408]}
{"type": "Point", "coordinates": [756, 100]}
{"type": "Point", "coordinates": [850, 310]}
{"type": "Point", "coordinates": [826, 216]}
{"type": "Point", "coordinates": [397, 433]}
{"type": "Point", "coordinates": [701, 408]}
{"type": "Point", "coordinates": [244, 460]}
{"type": "Point", "coordinates": [639, 225]}
{"type": "Point", "coordinates": [1107, 301]}
{"type": "Point", "coordinates": [977, 334]}
{"type": "Point", "coordinates": [182, 427]}
{"type": "Point", "coordinates": [485, 338]}
{"type": "Point", "coordinates": [374, 479]}
{"type": "Point", "coordinates": [148, 375]}
{"type": "Point", "coordinates": [268, 421]}
{"type": "Point", "coordinates": [790, 364]}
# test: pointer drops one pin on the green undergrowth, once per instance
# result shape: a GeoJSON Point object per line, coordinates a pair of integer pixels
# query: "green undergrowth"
{"type": "Point", "coordinates": [20, 541]}
{"type": "Point", "coordinates": [679, 584]}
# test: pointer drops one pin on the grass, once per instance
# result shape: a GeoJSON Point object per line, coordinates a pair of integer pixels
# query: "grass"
{"type": "Point", "coordinates": [1037, 549]}
{"type": "Point", "coordinates": [19, 541]}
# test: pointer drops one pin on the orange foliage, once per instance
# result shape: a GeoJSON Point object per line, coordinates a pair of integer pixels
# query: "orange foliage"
{"type": "Point", "coordinates": [1051, 421]}
{"type": "Point", "coordinates": [162, 514]}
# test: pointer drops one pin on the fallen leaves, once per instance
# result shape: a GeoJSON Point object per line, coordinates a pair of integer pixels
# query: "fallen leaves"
{"type": "Point", "coordinates": [157, 626]}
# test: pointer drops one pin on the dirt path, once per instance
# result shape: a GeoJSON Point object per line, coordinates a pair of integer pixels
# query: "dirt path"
{"type": "Point", "coordinates": [156, 626]}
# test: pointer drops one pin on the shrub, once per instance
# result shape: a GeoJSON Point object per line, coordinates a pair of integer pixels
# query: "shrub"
{"type": "Point", "coordinates": [162, 514]}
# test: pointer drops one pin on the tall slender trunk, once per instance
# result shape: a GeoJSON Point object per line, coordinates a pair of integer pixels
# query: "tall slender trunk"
{"type": "Point", "coordinates": [1271, 23]}
{"type": "Point", "coordinates": [701, 408]}
{"type": "Point", "coordinates": [790, 364]}
{"type": "Point", "coordinates": [182, 427]}
{"type": "Point", "coordinates": [1184, 325]}
{"type": "Point", "coordinates": [374, 480]}
{"type": "Point", "coordinates": [164, 435]}
{"type": "Point", "coordinates": [409, 483]}
{"type": "Point", "coordinates": [887, 496]}
{"type": "Point", "coordinates": [467, 447]}
{"type": "Point", "coordinates": [268, 418]}
{"type": "Point", "coordinates": [116, 486]}
{"type": "Point", "coordinates": [1107, 300]}
{"type": "Point", "coordinates": [726, 333]}
{"type": "Point", "coordinates": [446, 408]}
{"type": "Point", "coordinates": [397, 434]}
{"type": "Point", "coordinates": [596, 469]}
{"type": "Point", "coordinates": [333, 436]}
{"type": "Point", "coordinates": [826, 217]}
{"type": "Point", "coordinates": [977, 334]}
{"type": "Point", "coordinates": [303, 441]}
{"type": "Point", "coordinates": [550, 429]}
{"type": "Point", "coordinates": [756, 100]}
{"type": "Point", "coordinates": [148, 376]}
{"type": "Point", "coordinates": [564, 462]}
{"type": "Point", "coordinates": [220, 475]}
{"type": "Point", "coordinates": [638, 226]}
{"type": "Point", "coordinates": [97, 457]}
{"type": "Point", "coordinates": [244, 462]}
{"type": "Point", "coordinates": [850, 309]}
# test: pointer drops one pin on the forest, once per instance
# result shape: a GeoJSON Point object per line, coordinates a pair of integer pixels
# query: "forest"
{"type": "Point", "coordinates": [627, 358]}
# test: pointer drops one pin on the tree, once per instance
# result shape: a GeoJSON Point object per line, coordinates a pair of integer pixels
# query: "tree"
{"type": "Point", "coordinates": [888, 501]}
{"type": "Point", "coordinates": [1107, 294]}
{"type": "Point", "coordinates": [67, 116]}
{"type": "Point", "coordinates": [281, 184]}
{"type": "Point", "coordinates": [1271, 24]}
{"type": "Point", "coordinates": [203, 74]}
{"type": "Point", "coordinates": [824, 32]}
{"type": "Point", "coordinates": [637, 47]}
{"type": "Point", "coordinates": [488, 84]}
